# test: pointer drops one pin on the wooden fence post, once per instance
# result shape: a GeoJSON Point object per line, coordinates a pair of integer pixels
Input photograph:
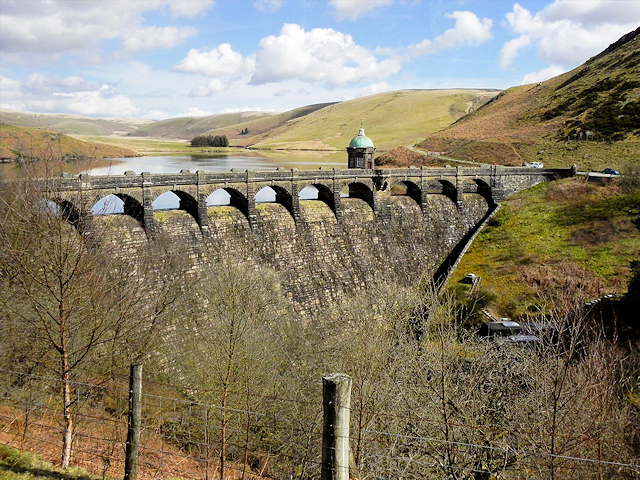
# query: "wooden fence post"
{"type": "Point", "coordinates": [336, 399]}
{"type": "Point", "coordinates": [134, 423]}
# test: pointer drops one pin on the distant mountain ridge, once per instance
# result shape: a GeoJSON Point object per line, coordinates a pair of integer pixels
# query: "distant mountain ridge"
{"type": "Point", "coordinates": [73, 124]}
{"type": "Point", "coordinates": [392, 118]}
{"type": "Point", "coordinates": [590, 115]}
{"type": "Point", "coordinates": [598, 101]}
{"type": "Point", "coordinates": [186, 128]}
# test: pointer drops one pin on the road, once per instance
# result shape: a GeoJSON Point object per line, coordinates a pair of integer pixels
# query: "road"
{"type": "Point", "coordinates": [413, 148]}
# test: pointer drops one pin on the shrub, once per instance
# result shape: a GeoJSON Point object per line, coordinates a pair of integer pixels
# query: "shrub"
{"type": "Point", "coordinates": [210, 141]}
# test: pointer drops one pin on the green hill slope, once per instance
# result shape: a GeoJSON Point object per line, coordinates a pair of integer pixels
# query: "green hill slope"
{"type": "Point", "coordinates": [548, 122]}
{"type": "Point", "coordinates": [73, 124]}
{"type": "Point", "coordinates": [249, 132]}
{"type": "Point", "coordinates": [567, 239]}
{"type": "Point", "coordinates": [391, 119]}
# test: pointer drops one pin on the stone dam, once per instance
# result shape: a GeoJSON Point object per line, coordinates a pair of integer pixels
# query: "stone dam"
{"type": "Point", "coordinates": [390, 225]}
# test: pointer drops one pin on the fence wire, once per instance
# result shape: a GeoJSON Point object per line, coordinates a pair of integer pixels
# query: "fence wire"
{"type": "Point", "coordinates": [189, 439]}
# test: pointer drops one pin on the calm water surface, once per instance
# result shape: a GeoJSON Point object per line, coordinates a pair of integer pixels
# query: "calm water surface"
{"type": "Point", "coordinates": [216, 163]}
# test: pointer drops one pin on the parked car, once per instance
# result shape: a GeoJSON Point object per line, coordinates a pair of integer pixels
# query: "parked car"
{"type": "Point", "coordinates": [611, 171]}
{"type": "Point", "coordinates": [535, 165]}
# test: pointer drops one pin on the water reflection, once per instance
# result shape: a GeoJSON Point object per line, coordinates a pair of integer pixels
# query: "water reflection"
{"type": "Point", "coordinates": [111, 204]}
{"type": "Point", "coordinates": [214, 163]}
{"type": "Point", "coordinates": [174, 163]}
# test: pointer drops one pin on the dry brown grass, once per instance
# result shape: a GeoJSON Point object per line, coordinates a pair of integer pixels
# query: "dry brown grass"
{"type": "Point", "coordinates": [37, 143]}
{"type": "Point", "coordinates": [403, 157]}
{"type": "Point", "coordinates": [99, 447]}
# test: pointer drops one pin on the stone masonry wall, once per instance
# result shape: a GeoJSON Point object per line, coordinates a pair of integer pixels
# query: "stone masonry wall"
{"type": "Point", "coordinates": [321, 261]}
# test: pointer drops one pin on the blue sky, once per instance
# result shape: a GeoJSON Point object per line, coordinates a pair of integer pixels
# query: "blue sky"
{"type": "Point", "coordinates": [160, 59]}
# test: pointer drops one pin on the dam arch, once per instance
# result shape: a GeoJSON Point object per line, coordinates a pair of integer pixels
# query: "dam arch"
{"type": "Point", "coordinates": [324, 255]}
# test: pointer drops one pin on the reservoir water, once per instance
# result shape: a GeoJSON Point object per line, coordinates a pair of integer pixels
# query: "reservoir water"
{"type": "Point", "coordinates": [251, 160]}
{"type": "Point", "coordinates": [216, 163]}
{"type": "Point", "coordinates": [213, 163]}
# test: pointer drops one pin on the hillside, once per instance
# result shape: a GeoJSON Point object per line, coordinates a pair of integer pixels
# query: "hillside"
{"type": "Point", "coordinates": [186, 128]}
{"type": "Point", "coordinates": [246, 133]}
{"type": "Point", "coordinates": [73, 124]}
{"type": "Point", "coordinates": [390, 119]}
{"type": "Point", "coordinates": [588, 116]}
{"type": "Point", "coordinates": [43, 144]}
{"type": "Point", "coordinates": [565, 239]}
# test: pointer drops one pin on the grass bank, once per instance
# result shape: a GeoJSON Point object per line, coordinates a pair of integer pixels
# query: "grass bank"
{"type": "Point", "coordinates": [565, 237]}
{"type": "Point", "coordinates": [17, 465]}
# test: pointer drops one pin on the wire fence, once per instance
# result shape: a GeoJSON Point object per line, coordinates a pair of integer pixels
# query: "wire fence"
{"type": "Point", "coordinates": [189, 439]}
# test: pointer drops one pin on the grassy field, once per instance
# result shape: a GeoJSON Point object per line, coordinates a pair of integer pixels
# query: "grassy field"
{"type": "Point", "coordinates": [148, 145]}
{"type": "Point", "coordinates": [390, 119]}
{"type": "Point", "coordinates": [17, 465]}
{"type": "Point", "coordinates": [562, 237]}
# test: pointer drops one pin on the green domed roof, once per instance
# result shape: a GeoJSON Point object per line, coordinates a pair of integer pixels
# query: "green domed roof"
{"type": "Point", "coordinates": [361, 141]}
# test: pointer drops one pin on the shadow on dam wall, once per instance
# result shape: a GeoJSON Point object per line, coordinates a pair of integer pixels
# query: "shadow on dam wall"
{"type": "Point", "coordinates": [321, 260]}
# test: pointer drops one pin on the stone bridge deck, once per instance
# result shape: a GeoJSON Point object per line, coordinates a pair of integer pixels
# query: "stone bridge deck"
{"type": "Point", "coordinates": [395, 227]}
{"type": "Point", "coordinates": [76, 195]}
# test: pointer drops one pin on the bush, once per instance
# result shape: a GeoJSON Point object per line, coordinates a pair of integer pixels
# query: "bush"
{"type": "Point", "coordinates": [210, 141]}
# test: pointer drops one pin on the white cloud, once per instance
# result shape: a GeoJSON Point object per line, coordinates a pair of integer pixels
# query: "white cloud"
{"type": "Point", "coordinates": [10, 88]}
{"type": "Point", "coordinates": [468, 30]}
{"type": "Point", "coordinates": [72, 94]}
{"type": "Point", "coordinates": [11, 98]}
{"type": "Point", "coordinates": [510, 49]}
{"type": "Point", "coordinates": [98, 102]}
{"type": "Point", "coordinates": [354, 9]}
{"type": "Point", "coordinates": [373, 89]}
{"type": "Point", "coordinates": [542, 75]}
{"type": "Point", "coordinates": [151, 38]}
{"type": "Point", "coordinates": [245, 109]}
{"type": "Point", "coordinates": [222, 60]}
{"type": "Point", "coordinates": [37, 84]}
{"type": "Point", "coordinates": [195, 112]}
{"type": "Point", "coordinates": [156, 115]}
{"type": "Point", "coordinates": [319, 55]}
{"type": "Point", "coordinates": [592, 12]}
{"type": "Point", "coordinates": [568, 32]}
{"type": "Point", "coordinates": [189, 8]}
{"type": "Point", "coordinates": [268, 5]}
{"type": "Point", "coordinates": [59, 26]}
{"type": "Point", "coordinates": [214, 86]}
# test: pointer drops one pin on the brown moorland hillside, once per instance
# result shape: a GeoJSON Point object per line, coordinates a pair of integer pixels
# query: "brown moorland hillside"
{"type": "Point", "coordinates": [73, 124]}
{"type": "Point", "coordinates": [24, 143]}
{"type": "Point", "coordinates": [248, 133]}
{"type": "Point", "coordinates": [591, 111]}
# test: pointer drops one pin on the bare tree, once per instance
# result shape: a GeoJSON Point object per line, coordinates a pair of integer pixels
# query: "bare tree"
{"type": "Point", "coordinates": [70, 297]}
{"type": "Point", "coordinates": [229, 347]}
{"type": "Point", "coordinates": [574, 408]}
